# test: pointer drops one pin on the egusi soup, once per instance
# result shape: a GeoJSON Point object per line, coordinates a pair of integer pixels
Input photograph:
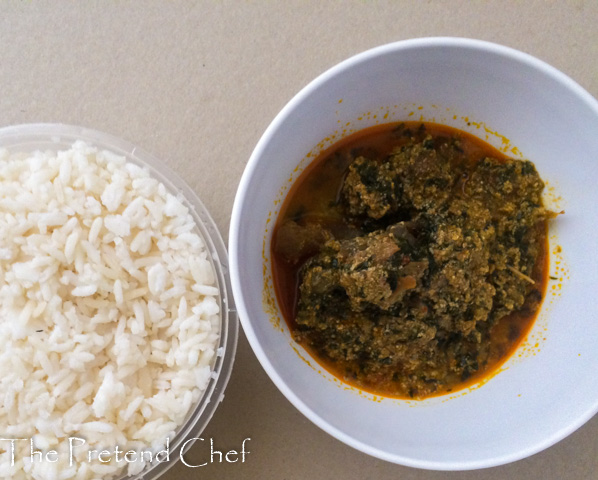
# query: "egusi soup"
{"type": "Point", "coordinates": [410, 259]}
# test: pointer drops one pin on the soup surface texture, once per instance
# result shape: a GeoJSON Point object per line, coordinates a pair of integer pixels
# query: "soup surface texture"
{"type": "Point", "coordinates": [411, 259]}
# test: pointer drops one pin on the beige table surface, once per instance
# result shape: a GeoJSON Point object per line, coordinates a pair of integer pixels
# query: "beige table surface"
{"type": "Point", "coordinates": [196, 83]}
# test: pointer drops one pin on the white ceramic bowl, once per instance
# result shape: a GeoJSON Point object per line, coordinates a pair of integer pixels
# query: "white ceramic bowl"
{"type": "Point", "coordinates": [524, 107]}
{"type": "Point", "coordinates": [54, 137]}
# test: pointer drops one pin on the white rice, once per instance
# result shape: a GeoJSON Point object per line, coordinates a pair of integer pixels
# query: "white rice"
{"type": "Point", "coordinates": [109, 317]}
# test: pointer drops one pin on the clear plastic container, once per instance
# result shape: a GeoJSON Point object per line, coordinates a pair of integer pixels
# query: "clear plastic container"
{"type": "Point", "coordinates": [53, 137]}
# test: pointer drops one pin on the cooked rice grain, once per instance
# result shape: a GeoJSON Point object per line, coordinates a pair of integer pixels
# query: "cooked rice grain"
{"type": "Point", "coordinates": [109, 316]}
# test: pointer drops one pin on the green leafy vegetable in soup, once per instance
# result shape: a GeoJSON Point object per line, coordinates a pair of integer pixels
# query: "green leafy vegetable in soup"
{"type": "Point", "coordinates": [411, 259]}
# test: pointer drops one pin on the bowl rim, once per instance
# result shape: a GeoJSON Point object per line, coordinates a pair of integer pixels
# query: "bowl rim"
{"type": "Point", "coordinates": [236, 220]}
{"type": "Point", "coordinates": [30, 137]}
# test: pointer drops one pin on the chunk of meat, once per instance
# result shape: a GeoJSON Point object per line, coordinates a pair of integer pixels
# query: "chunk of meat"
{"type": "Point", "coordinates": [375, 269]}
{"type": "Point", "coordinates": [296, 242]}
